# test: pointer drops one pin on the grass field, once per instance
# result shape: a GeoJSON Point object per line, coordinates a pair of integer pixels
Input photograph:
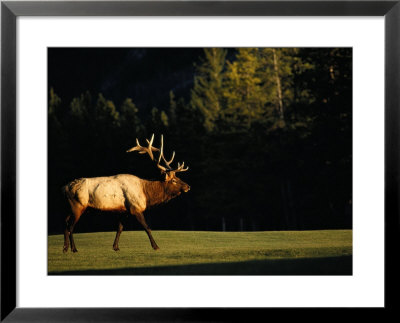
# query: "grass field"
{"type": "Point", "coordinates": [327, 252]}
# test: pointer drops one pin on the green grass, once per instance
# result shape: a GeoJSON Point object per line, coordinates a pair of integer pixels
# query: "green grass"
{"type": "Point", "coordinates": [201, 252]}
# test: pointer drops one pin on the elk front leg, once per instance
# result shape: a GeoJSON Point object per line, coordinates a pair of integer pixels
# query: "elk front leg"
{"type": "Point", "coordinates": [142, 221]}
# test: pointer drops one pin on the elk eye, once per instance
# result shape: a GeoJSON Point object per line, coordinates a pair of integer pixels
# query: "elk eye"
{"type": "Point", "coordinates": [174, 181]}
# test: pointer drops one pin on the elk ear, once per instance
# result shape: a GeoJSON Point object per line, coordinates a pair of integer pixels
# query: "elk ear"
{"type": "Point", "coordinates": [169, 176]}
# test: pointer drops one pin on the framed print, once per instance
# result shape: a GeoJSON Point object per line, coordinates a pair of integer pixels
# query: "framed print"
{"type": "Point", "coordinates": [281, 119]}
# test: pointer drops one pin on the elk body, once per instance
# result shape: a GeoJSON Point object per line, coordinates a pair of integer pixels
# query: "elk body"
{"type": "Point", "coordinates": [124, 193]}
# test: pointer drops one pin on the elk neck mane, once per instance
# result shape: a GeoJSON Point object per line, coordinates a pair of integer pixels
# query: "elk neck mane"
{"type": "Point", "coordinates": [156, 192]}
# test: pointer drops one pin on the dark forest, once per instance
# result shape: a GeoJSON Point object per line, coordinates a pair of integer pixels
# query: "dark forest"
{"type": "Point", "coordinates": [266, 133]}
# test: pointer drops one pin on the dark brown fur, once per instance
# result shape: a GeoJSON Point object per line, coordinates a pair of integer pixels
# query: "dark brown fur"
{"type": "Point", "coordinates": [158, 192]}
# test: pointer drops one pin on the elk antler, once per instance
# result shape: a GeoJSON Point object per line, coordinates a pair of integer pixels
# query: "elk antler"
{"type": "Point", "coordinates": [149, 150]}
{"type": "Point", "coordinates": [168, 163]}
{"type": "Point", "coordinates": [143, 150]}
{"type": "Point", "coordinates": [181, 169]}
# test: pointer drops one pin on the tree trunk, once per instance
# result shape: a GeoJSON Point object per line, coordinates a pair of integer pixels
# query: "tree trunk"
{"type": "Point", "coordinates": [278, 85]}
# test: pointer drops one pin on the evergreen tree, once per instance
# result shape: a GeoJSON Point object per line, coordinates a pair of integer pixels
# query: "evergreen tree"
{"type": "Point", "coordinates": [55, 113]}
{"type": "Point", "coordinates": [243, 91]}
{"type": "Point", "coordinates": [206, 95]}
{"type": "Point", "coordinates": [280, 68]}
{"type": "Point", "coordinates": [105, 112]}
{"type": "Point", "coordinates": [172, 109]}
{"type": "Point", "coordinates": [54, 102]}
{"type": "Point", "coordinates": [130, 120]}
{"type": "Point", "coordinates": [157, 122]}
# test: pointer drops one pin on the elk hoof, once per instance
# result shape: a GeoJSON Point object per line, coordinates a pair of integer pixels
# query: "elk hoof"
{"type": "Point", "coordinates": [65, 249]}
{"type": "Point", "coordinates": [74, 250]}
{"type": "Point", "coordinates": [116, 248]}
{"type": "Point", "coordinates": [156, 248]}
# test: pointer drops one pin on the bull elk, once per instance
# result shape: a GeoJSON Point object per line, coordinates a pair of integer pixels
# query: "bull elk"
{"type": "Point", "coordinates": [124, 193]}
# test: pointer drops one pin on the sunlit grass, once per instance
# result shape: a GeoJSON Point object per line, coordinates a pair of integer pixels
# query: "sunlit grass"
{"type": "Point", "coordinates": [192, 248]}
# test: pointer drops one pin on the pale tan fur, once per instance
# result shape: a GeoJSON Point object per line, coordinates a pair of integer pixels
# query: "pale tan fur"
{"type": "Point", "coordinates": [108, 193]}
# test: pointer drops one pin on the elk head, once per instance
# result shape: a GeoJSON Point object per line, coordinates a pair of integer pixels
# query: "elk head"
{"type": "Point", "coordinates": [173, 185]}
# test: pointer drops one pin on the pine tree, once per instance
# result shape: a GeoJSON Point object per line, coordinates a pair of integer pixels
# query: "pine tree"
{"type": "Point", "coordinates": [206, 95]}
{"type": "Point", "coordinates": [158, 121]}
{"type": "Point", "coordinates": [54, 102]}
{"type": "Point", "coordinates": [172, 109]}
{"type": "Point", "coordinates": [243, 91]}
{"type": "Point", "coordinates": [106, 113]}
{"type": "Point", "coordinates": [130, 120]}
{"type": "Point", "coordinates": [280, 69]}
{"type": "Point", "coordinates": [55, 113]}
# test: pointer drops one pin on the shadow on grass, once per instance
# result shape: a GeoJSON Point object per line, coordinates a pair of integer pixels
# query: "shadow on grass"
{"type": "Point", "coordinates": [342, 265]}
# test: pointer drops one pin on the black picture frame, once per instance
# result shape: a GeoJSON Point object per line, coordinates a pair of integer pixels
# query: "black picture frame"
{"type": "Point", "coordinates": [10, 10]}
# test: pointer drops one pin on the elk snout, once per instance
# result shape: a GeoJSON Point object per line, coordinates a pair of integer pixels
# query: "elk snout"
{"type": "Point", "coordinates": [186, 188]}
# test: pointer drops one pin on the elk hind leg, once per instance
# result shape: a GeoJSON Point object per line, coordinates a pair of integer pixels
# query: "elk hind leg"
{"type": "Point", "coordinates": [66, 234]}
{"type": "Point", "coordinates": [119, 231]}
{"type": "Point", "coordinates": [77, 214]}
